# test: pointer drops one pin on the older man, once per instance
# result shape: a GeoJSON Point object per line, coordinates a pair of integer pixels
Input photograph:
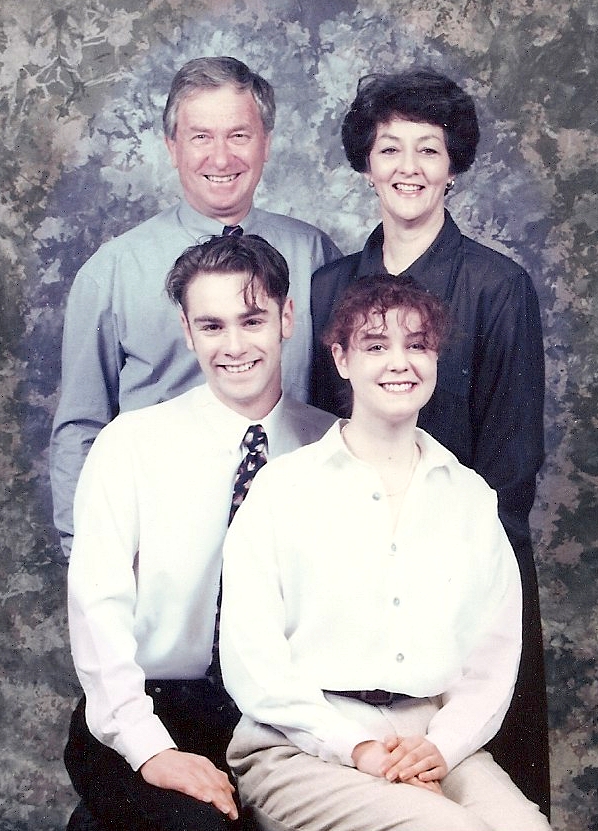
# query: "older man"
{"type": "Point", "coordinates": [121, 346]}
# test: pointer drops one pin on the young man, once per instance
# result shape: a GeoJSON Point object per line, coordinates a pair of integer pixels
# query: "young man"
{"type": "Point", "coordinates": [121, 345]}
{"type": "Point", "coordinates": [373, 648]}
{"type": "Point", "coordinates": [148, 740]}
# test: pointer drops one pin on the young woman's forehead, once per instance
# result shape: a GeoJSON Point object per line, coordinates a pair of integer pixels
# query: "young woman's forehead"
{"type": "Point", "coordinates": [377, 320]}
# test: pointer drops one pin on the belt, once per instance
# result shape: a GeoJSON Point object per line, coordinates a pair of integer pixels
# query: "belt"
{"type": "Point", "coordinates": [380, 698]}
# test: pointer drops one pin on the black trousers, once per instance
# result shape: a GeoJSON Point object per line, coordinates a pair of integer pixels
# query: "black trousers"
{"type": "Point", "coordinates": [521, 745]}
{"type": "Point", "coordinates": [199, 718]}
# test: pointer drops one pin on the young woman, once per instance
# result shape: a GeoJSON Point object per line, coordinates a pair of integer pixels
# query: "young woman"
{"type": "Point", "coordinates": [371, 623]}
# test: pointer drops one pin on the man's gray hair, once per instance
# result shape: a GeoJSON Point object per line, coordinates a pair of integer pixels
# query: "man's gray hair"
{"type": "Point", "coordinates": [212, 73]}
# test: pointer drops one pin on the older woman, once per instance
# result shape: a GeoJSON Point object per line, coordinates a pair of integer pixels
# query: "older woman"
{"type": "Point", "coordinates": [410, 134]}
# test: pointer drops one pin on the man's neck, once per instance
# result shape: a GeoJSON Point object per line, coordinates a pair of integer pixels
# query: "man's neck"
{"type": "Point", "coordinates": [232, 218]}
{"type": "Point", "coordinates": [255, 411]}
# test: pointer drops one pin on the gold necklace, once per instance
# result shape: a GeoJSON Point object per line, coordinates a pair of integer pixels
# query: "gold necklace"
{"type": "Point", "coordinates": [412, 465]}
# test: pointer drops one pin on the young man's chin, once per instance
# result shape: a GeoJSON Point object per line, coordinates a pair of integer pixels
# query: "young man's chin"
{"type": "Point", "coordinates": [241, 388]}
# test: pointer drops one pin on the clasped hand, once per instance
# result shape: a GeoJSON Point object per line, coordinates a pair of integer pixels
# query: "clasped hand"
{"type": "Point", "coordinates": [410, 759]}
{"type": "Point", "coordinates": [193, 775]}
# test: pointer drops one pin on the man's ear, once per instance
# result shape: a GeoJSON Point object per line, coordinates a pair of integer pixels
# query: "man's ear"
{"type": "Point", "coordinates": [171, 147]}
{"type": "Point", "coordinates": [268, 146]}
{"type": "Point", "coordinates": [186, 330]}
{"type": "Point", "coordinates": [287, 319]}
{"type": "Point", "coordinates": [340, 359]}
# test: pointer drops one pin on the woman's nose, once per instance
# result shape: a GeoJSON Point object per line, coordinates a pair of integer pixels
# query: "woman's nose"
{"type": "Point", "coordinates": [397, 359]}
{"type": "Point", "coordinates": [408, 160]}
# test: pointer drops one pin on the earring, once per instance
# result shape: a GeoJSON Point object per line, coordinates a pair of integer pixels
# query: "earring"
{"type": "Point", "coordinates": [370, 183]}
{"type": "Point", "coordinates": [449, 186]}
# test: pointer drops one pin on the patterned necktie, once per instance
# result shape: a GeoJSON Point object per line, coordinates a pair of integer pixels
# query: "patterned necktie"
{"type": "Point", "coordinates": [256, 441]}
{"type": "Point", "coordinates": [232, 231]}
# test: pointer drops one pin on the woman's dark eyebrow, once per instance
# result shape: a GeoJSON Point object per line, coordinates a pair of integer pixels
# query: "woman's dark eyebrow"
{"type": "Point", "coordinates": [372, 335]}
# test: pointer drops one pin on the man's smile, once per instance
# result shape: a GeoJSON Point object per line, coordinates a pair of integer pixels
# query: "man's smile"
{"type": "Point", "coordinates": [221, 179]}
{"type": "Point", "coordinates": [235, 369]}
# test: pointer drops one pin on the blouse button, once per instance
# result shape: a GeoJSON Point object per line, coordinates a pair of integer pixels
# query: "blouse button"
{"type": "Point", "coordinates": [393, 547]}
{"type": "Point", "coordinates": [400, 657]}
{"type": "Point", "coordinates": [396, 601]}
{"type": "Point", "coordinates": [376, 496]}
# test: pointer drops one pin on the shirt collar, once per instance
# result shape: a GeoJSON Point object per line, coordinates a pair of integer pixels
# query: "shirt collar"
{"type": "Point", "coordinates": [228, 425]}
{"type": "Point", "coordinates": [434, 454]}
{"type": "Point", "coordinates": [200, 226]}
{"type": "Point", "coordinates": [331, 447]}
{"type": "Point", "coordinates": [370, 261]}
{"type": "Point", "coordinates": [429, 270]}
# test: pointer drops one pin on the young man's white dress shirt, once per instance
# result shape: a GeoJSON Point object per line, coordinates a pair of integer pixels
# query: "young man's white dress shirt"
{"type": "Point", "coordinates": [151, 512]}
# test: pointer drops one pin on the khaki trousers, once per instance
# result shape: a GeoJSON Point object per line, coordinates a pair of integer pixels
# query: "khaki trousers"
{"type": "Point", "coordinates": [288, 789]}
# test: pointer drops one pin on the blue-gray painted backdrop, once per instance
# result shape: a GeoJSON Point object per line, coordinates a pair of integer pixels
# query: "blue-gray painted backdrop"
{"type": "Point", "coordinates": [82, 85]}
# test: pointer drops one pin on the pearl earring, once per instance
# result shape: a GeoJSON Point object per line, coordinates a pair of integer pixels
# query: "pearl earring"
{"type": "Point", "coordinates": [449, 186]}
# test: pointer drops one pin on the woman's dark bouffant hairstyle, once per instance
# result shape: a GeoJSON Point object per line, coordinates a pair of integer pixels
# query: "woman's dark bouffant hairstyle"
{"type": "Point", "coordinates": [376, 295]}
{"type": "Point", "coordinates": [421, 95]}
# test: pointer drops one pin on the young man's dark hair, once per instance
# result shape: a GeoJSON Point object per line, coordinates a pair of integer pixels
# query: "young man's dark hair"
{"type": "Point", "coordinates": [265, 267]}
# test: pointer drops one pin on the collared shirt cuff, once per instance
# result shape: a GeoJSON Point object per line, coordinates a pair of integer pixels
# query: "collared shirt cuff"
{"type": "Point", "coordinates": [449, 746]}
{"type": "Point", "coordinates": [339, 748]}
{"type": "Point", "coordinates": [144, 740]}
{"type": "Point", "coordinates": [66, 544]}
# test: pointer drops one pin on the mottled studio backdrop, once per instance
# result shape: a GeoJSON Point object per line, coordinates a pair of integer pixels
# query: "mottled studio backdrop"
{"type": "Point", "coordinates": [82, 85]}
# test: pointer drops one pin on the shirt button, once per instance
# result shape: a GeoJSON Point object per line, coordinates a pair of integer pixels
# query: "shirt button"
{"type": "Point", "coordinates": [400, 657]}
{"type": "Point", "coordinates": [396, 601]}
{"type": "Point", "coordinates": [376, 496]}
{"type": "Point", "coordinates": [393, 547]}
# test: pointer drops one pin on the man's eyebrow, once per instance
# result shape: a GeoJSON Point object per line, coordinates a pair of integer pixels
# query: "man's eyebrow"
{"type": "Point", "coordinates": [196, 127]}
{"type": "Point", "coordinates": [255, 310]}
{"type": "Point", "coordinates": [206, 319]}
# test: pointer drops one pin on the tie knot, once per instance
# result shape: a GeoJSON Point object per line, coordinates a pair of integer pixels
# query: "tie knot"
{"type": "Point", "coordinates": [232, 231]}
{"type": "Point", "coordinates": [255, 439]}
